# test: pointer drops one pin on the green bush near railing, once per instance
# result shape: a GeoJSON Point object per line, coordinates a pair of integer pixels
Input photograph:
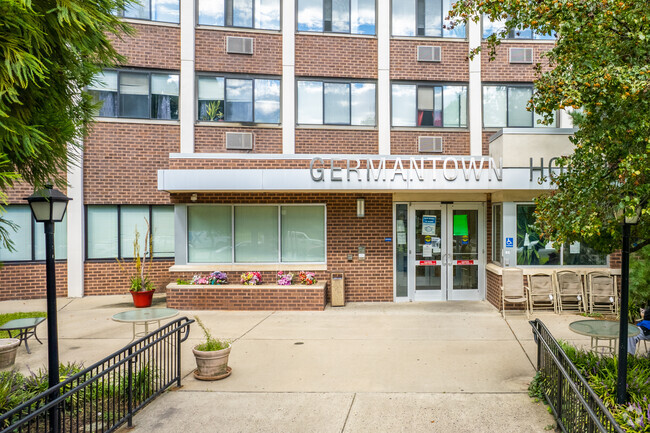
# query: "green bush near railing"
{"type": "Point", "coordinates": [601, 373]}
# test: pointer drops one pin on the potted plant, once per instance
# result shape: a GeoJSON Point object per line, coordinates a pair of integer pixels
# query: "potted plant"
{"type": "Point", "coordinates": [141, 286]}
{"type": "Point", "coordinates": [211, 356]}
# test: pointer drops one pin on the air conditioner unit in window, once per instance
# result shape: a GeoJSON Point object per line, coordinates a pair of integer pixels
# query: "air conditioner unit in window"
{"type": "Point", "coordinates": [429, 54]}
{"type": "Point", "coordinates": [237, 45]}
{"type": "Point", "coordinates": [521, 55]}
{"type": "Point", "coordinates": [430, 144]}
{"type": "Point", "coordinates": [239, 140]}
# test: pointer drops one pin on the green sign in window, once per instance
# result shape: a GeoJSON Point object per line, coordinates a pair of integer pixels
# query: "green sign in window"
{"type": "Point", "coordinates": [460, 225]}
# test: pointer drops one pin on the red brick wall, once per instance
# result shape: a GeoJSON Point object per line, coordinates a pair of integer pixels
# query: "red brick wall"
{"type": "Point", "coordinates": [27, 280]}
{"type": "Point", "coordinates": [453, 67]}
{"type": "Point", "coordinates": [212, 139]}
{"type": "Point", "coordinates": [153, 46]}
{"type": "Point", "coordinates": [493, 289]}
{"type": "Point", "coordinates": [20, 190]}
{"type": "Point", "coordinates": [367, 280]}
{"type": "Point", "coordinates": [406, 142]}
{"type": "Point", "coordinates": [486, 140]}
{"type": "Point", "coordinates": [121, 162]}
{"type": "Point", "coordinates": [501, 70]}
{"type": "Point", "coordinates": [336, 56]}
{"type": "Point", "coordinates": [319, 141]}
{"type": "Point", "coordinates": [250, 298]}
{"type": "Point", "coordinates": [105, 278]}
{"type": "Point", "coordinates": [211, 56]}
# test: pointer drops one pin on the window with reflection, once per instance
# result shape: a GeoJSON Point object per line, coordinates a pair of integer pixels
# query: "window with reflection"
{"type": "Point", "coordinates": [336, 103]}
{"type": "Point", "coordinates": [504, 106]}
{"type": "Point", "coordinates": [337, 16]}
{"type": "Point", "coordinates": [534, 250]}
{"type": "Point", "coordinates": [235, 99]}
{"type": "Point", "coordinates": [256, 234]}
{"type": "Point", "coordinates": [429, 105]}
{"type": "Point", "coordinates": [491, 27]}
{"type": "Point", "coordinates": [134, 94]}
{"type": "Point", "coordinates": [256, 14]}
{"type": "Point", "coordinates": [29, 236]}
{"type": "Point", "coordinates": [424, 18]}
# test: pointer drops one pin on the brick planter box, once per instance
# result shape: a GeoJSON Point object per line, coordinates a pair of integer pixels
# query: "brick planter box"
{"type": "Point", "coordinates": [241, 297]}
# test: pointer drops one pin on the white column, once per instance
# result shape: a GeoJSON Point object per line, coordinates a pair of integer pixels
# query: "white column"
{"type": "Point", "coordinates": [383, 75]}
{"type": "Point", "coordinates": [75, 217]}
{"type": "Point", "coordinates": [187, 96]}
{"type": "Point", "coordinates": [475, 98]}
{"type": "Point", "coordinates": [180, 228]}
{"type": "Point", "coordinates": [288, 77]}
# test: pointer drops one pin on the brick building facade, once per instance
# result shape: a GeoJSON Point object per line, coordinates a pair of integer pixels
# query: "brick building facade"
{"type": "Point", "coordinates": [290, 143]}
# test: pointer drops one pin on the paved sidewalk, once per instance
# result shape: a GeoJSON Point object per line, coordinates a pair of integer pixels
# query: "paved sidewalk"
{"type": "Point", "coordinates": [417, 367]}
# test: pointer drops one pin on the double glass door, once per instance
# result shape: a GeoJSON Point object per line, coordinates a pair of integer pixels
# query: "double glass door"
{"type": "Point", "coordinates": [445, 252]}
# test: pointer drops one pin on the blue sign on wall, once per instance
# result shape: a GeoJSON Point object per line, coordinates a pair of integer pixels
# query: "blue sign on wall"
{"type": "Point", "coordinates": [510, 242]}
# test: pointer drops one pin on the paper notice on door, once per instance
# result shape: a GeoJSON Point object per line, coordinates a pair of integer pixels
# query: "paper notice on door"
{"type": "Point", "coordinates": [401, 238]}
{"type": "Point", "coordinates": [400, 226]}
{"type": "Point", "coordinates": [574, 248]}
{"type": "Point", "coordinates": [427, 250]}
{"type": "Point", "coordinates": [428, 224]}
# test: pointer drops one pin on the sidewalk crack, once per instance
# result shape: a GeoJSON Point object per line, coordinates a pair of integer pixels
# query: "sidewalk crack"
{"type": "Point", "coordinates": [255, 326]}
{"type": "Point", "coordinates": [345, 423]}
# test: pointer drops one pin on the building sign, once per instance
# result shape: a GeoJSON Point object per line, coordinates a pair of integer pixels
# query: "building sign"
{"type": "Point", "coordinates": [427, 262]}
{"type": "Point", "coordinates": [510, 242]}
{"type": "Point", "coordinates": [464, 262]}
{"type": "Point", "coordinates": [381, 170]}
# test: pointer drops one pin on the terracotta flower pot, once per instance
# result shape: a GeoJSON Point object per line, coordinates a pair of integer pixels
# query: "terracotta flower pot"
{"type": "Point", "coordinates": [8, 348]}
{"type": "Point", "coordinates": [142, 299]}
{"type": "Point", "coordinates": [213, 363]}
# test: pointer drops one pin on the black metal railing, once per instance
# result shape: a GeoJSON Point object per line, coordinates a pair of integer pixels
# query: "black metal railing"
{"type": "Point", "coordinates": [575, 405]}
{"type": "Point", "coordinates": [107, 394]}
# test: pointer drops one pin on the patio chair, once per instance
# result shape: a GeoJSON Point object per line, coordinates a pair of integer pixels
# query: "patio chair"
{"type": "Point", "coordinates": [512, 289]}
{"type": "Point", "coordinates": [541, 292]}
{"type": "Point", "coordinates": [602, 292]}
{"type": "Point", "coordinates": [570, 291]}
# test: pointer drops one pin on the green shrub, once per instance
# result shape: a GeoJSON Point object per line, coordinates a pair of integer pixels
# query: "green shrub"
{"type": "Point", "coordinates": [639, 281]}
{"type": "Point", "coordinates": [211, 344]}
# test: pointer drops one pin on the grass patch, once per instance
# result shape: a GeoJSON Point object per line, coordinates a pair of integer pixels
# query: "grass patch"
{"type": "Point", "coordinates": [4, 318]}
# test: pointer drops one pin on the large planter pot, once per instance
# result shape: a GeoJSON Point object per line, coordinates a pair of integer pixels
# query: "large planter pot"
{"type": "Point", "coordinates": [8, 348]}
{"type": "Point", "coordinates": [142, 299]}
{"type": "Point", "coordinates": [212, 365]}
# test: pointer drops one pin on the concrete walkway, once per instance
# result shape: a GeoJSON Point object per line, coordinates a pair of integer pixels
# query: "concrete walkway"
{"type": "Point", "coordinates": [418, 367]}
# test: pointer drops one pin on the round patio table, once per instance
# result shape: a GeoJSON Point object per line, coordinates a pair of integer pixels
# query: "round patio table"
{"type": "Point", "coordinates": [25, 327]}
{"type": "Point", "coordinates": [602, 330]}
{"type": "Point", "coordinates": [144, 316]}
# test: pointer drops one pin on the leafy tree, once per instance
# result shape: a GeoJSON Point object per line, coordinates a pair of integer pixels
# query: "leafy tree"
{"type": "Point", "coordinates": [639, 281]}
{"type": "Point", "coordinates": [601, 71]}
{"type": "Point", "coordinates": [49, 52]}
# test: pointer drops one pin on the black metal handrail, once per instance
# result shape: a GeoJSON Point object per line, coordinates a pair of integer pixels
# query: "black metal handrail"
{"type": "Point", "coordinates": [575, 405]}
{"type": "Point", "coordinates": [107, 394]}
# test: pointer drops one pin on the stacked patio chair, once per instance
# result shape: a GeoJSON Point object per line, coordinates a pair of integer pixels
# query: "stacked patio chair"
{"type": "Point", "coordinates": [602, 292]}
{"type": "Point", "coordinates": [570, 291]}
{"type": "Point", "coordinates": [541, 292]}
{"type": "Point", "coordinates": [512, 289]}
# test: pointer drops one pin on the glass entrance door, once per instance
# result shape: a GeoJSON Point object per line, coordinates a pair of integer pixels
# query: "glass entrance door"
{"type": "Point", "coordinates": [446, 252]}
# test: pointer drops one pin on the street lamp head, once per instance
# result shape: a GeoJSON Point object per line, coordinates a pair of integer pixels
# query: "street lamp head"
{"type": "Point", "coordinates": [48, 204]}
{"type": "Point", "coordinates": [628, 219]}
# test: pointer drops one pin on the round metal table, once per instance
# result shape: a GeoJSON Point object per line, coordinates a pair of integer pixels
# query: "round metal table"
{"type": "Point", "coordinates": [25, 327]}
{"type": "Point", "coordinates": [144, 316]}
{"type": "Point", "coordinates": [602, 330]}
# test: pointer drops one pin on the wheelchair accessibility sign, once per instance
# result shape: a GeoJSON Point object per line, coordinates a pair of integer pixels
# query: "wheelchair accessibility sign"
{"type": "Point", "coordinates": [510, 242]}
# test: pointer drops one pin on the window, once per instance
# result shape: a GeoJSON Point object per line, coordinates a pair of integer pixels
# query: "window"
{"type": "Point", "coordinates": [531, 250]}
{"type": "Point", "coordinates": [424, 18]}
{"type": "Point", "coordinates": [257, 14]}
{"type": "Point", "coordinates": [29, 238]}
{"type": "Point", "coordinates": [429, 105]}
{"type": "Point", "coordinates": [336, 103]}
{"type": "Point", "coordinates": [497, 232]}
{"type": "Point", "coordinates": [490, 27]}
{"type": "Point", "coordinates": [256, 234]}
{"type": "Point", "coordinates": [139, 95]}
{"type": "Point", "coordinates": [153, 10]}
{"type": "Point", "coordinates": [239, 99]}
{"type": "Point", "coordinates": [505, 107]}
{"type": "Point", "coordinates": [337, 16]}
{"type": "Point", "coordinates": [110, 230]}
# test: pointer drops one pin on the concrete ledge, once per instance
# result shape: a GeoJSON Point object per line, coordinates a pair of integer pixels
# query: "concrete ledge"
{"type": "Point", "coordinates": [241, 297]}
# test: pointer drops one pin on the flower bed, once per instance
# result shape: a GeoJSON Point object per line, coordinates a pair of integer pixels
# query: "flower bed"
{"type": "Point", "coordinates": [247, 297]}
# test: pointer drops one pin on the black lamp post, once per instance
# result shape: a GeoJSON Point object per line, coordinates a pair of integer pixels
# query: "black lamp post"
{"type": "Point", "coordinates": [621, 389]}
{"type": "Point", "coordinates": [48, 206]}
